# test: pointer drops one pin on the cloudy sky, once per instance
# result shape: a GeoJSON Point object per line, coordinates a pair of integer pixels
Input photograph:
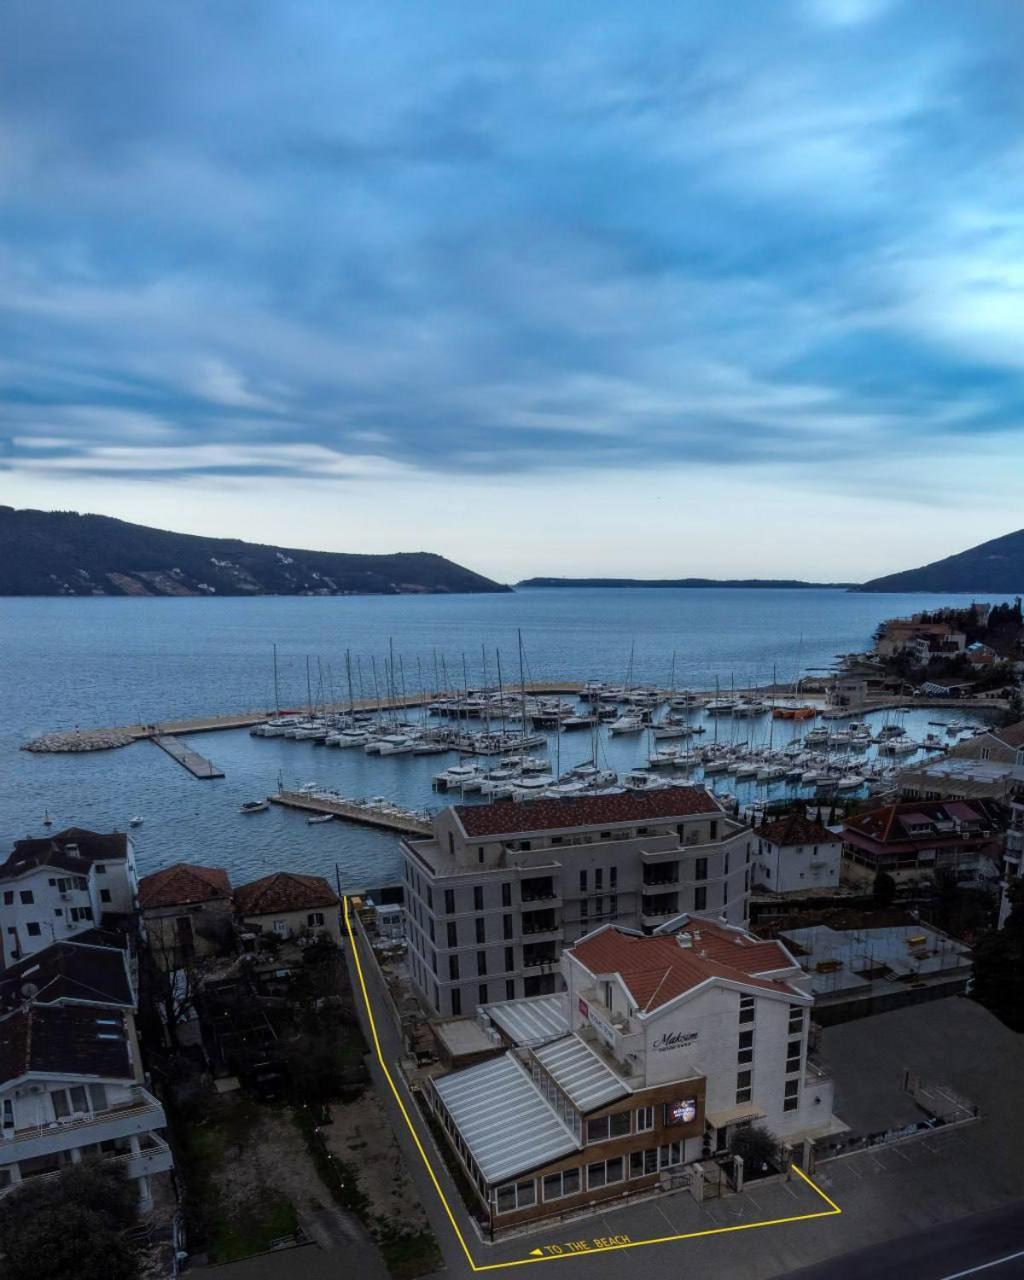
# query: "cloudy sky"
{"type": "Point", "coordinates": [566, 288]}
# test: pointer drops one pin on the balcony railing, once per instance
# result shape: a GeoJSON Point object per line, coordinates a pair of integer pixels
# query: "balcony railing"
{"type": "Point", "coordinates": [152, 1157]}
{"type": "Point", "coordinates": [139, 1116]}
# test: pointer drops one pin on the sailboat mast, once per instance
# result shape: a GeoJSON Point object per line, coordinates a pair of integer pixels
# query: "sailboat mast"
{"type": "Point", "coordinates": [348, 672]}
{"type": "Point", "coordinates": [277, 691]}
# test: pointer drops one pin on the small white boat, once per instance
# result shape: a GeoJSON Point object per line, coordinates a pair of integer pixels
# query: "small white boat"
{"type": "Point", "coordinates": [627, 724]}
{"type": "Point", "coordinates": [849, 782]}
{"type": "Point", "coordinates": [136, 822]}
{"type": "Point", "coordinates": [315, 818]}
{"type": "Point", "coordinates": [255, 806]}
{"type": "Point", "coordinates": [47, 820]}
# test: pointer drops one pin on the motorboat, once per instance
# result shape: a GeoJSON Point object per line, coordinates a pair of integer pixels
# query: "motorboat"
{"type": "Point", "coordinates": [315, 819]}
{"type": "Point", "coordinates": [255, 806]}
{"type": "Point", "coordinates": [136, 821]}
{"type": "Point", "coordinates": [637, 780]}
{"type": "Point", "coordinates": [626, 724]}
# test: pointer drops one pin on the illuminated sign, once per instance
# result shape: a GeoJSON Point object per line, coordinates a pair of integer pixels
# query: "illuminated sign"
{"type": "Point", "coordinates": [682, 1112]}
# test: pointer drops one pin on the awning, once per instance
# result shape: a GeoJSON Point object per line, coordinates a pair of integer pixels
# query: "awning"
{"type": "Point", "coordinates": [532, 1021]}
{"type": "Point", "coordinates": [577, 1070]}
{"type": "Point", "coordinates": [732, 1115]}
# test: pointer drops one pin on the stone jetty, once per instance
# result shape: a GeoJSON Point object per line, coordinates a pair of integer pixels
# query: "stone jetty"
{"type": "Point", "coordinates": [81, 740]}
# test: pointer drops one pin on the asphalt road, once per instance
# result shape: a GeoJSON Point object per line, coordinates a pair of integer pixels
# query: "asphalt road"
{"type": "Point", "coordinates": [987, 1245]}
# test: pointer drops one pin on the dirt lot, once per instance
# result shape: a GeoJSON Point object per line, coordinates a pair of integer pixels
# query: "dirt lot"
{"type": "Point", "coordinates": [360, 1135]}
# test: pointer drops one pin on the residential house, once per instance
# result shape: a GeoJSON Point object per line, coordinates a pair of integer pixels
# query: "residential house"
{"type": "Point", "coordinates": [186, 912]}
{"type": "Point", "coordinates": [657, 1050]}
{"type": "Point", "coordinates": [497, 890]}
{"type": "Point", "coordinates": [913, 840]}
{"type": "Point", "coordinates": [290, 905]}
{"type": "Point", "coordinates": [55, 887]}
{"type": "Point", "coordinates": [794, 854]}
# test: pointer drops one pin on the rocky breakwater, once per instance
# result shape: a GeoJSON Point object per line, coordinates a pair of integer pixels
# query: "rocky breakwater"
{"type": "Point", "coordinates": [81, 740]}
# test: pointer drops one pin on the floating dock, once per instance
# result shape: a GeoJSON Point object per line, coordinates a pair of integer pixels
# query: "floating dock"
{"type": "Point", "coordinates": [405, 824]}
{"type": "Point", "coordinates": [197, 765]}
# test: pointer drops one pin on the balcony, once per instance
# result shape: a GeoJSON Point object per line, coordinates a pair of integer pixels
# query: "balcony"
{"type": "Point", "coordinates": [659, 906]}
{"type": "Point", "coordinates": [153, 1156]}
{"type": "Point", "coordinates": [141, 1115]}
{"type": "Point", "coordinates": [539, 957]}
{"type": "Point", "coordinates": [538, 924]}
{"type": "Point", "coordinates": [539, 889]}
{"type": "Point", "coordinates": [658, 876]}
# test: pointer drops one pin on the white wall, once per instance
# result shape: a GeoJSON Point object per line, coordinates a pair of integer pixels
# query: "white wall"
{"type": "Point", "coordinates": [797, 868]}
{"type": "Point", "coordinates": [47, 901]}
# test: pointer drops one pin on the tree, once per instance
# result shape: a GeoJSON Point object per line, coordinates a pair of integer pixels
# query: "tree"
{"type": "Point", "coordinates": [171, 979]}
{"type": "Point", "coordinates": [883, 891]}
{"type": "Point", "coordinates": [69, 1228]}
{"type": "Point", "coordinates": [757, 1146]}
{"type": "Point", "coordinates": [999, 964]}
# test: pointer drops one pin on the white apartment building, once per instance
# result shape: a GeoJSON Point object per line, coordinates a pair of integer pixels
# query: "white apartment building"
{"type": "Point", "coordinates": [497, 890]}
{"type": "Point", "coordinates": [71, 1080]}
{"type": "Point", "coordinates": [793, 854]}
{"type": "Point", "coordinates": [58, 886]}
{"type": "Point", "coordinates": [1013, 857]}
{"type": "Point", "coordinates": [659, 1047]}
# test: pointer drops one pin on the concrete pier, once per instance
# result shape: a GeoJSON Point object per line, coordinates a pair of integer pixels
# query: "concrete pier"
{"type": "Point", "coordinates": [196, 764]}
{"type": "Point", "coordinates": [350, 812]}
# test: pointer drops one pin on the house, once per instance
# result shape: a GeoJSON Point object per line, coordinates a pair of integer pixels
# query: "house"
{"type": "Point", "coordinates": [657, 1050]}
{"type": "Point", "coordinates": [497, 890]}
{"type": "Point", "coordinates": [981, 655]}
{"type": "Point", "coordinates": [1013, 857]}
{"type": "Point", "coordinates": [794, 854]}
{"type": "Point", "coordinates": [290, 905]}
{"type": "Point", "coordinates": [186, 912]}
{"type": "Point", "coordinates": [913, 840]}
{"type": "Point", "coordinates": [1001, 746]}
{"type": "Point", "coordinates": [55, 887]}
{"type": "Point", "coordinates": [899, 635]}
{"type": "Point", "coordinates": [848, 691]}
{"type": "Point", "coordinates": [71, 1077]}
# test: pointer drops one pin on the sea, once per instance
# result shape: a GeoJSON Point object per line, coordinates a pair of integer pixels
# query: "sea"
{"type": "Point", "coordinates": [99, 662]}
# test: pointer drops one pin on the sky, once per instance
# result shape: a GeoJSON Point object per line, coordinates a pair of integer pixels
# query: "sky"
{"type": "Point", "coordinates": [574, 288]}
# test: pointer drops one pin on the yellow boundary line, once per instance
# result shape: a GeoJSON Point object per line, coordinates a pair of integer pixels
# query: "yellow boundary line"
{"type": "Point", "coordinates": [830, 1212]}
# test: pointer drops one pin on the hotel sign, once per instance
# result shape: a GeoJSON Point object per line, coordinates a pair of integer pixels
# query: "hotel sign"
{"type": "Point", "coordinates": [601, 1025]}
{"type": "Point", "coordinates": [674, 1040]}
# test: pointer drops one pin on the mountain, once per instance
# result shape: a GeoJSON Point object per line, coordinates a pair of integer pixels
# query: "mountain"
{"type": "Point", "coordinates": [996, 566]}
{"type": "Point", "coordinates": [675, 582]}
{"type": "Point", "coordinates": [61, 553]}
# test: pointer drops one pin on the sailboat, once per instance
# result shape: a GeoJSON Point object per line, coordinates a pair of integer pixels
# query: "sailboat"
{"type": "Point", "coordinates": [47, 820]}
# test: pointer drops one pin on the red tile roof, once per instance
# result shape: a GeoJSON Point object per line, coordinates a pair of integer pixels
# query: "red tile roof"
{"type": "Point", "coordinates": [284, 891]}
{"type": "Point", "coordinates": [62, 1040]}
{"type": "Point", "coordinates": [656, 969]}
{"type": "Point", "coordinates": [183, 884]}
{"type": "Point", "coordinates": [507, 817]}
{"type": "Point", "coordinates": [795, 828]}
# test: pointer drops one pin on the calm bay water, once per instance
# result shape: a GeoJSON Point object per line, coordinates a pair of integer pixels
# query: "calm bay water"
{"type": "Point", "coordinates": [99, 662]}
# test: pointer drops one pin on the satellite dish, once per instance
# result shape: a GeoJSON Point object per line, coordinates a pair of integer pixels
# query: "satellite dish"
{"type": "Point", "coordinates": [29, 990]}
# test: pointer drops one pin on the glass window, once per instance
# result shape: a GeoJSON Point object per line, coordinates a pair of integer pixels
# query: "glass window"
{"type": "Point", "coordinates": [457, 1002]}
{"type": "Point", "coordinates": [480, 934]}
{"type": "Point", "coordinates": [613, 877]}
{"type": "Point", "coordinates": [746, 1039]}
{"type": "Point", "coordinates": [26, 897]}
{"type": "Point", "coordinates": [700, 868]}
{"type": "Point", "coordinates": [598, 1130]}
{"type": "Point", "coordinates": [595, 1175]}
{"type": "Point", "coordinates": [642, 1162]}
{"type": "Point", "coordinates": [478, 898]}
{"type": "Point", "coordinates": [506, 927]}
{"type": "Point", "coordinates": [792, 1088]}
{"type": "Point", "coordinates": [481, 963]}
{"type": "Point", "coordinates": [449, 902]}
{"type": "Point", "coordinates": [506, 895]}
{"type": "Point", "coordinates": [506, 1198]}
{"type": "Point", "coordinates": [510, 960]}
{"type": "Point", "coordinates": [453, 934]}
{"type": "Point", "coordinates": [33, 929]}
{"type": "Point", "coordinates": [671, 1154]}
{"type": "Point", "coordinates": [598, 878]}
{"type": "Point", "coordinates": [644, 1119]}
{"type": "Point", "coordinates": [583, 881]}
{"type": "Point", "coordinates": [453, 968]}
{"type": "Point", "coordinates": [619, 1124]}
{"type": "Point", "coordinates": [510, 988]}
{"type": "Point", "coordinates": [615, 1170]}
{"type": "Point", "coordinates": [481, 994]}
{"type": "Point", "coordinates": [700, 898]}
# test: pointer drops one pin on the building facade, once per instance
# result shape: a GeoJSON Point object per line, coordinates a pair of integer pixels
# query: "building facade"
{"type": "Point", "coordinates": [290, 906]}
{"type": "Point", "coordinates": [794, 854]}
{"type": "Point", "coordinates": [914, 840]}
{"type": "Point", "coordinates": [186, 912]}
{"type": "Point", "coordinates": [62, 885]}
{"type": "Point", "coordinates": [497, 891]}
{"type": "Point", "coordinates": [659, 1047]}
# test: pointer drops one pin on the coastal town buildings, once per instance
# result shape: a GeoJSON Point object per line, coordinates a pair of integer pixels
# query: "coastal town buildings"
{"type": "Point", "coordinates": [794, 854]}
{"type": "Point", "coordinates": [71, 1079]}
{"type": "Point", "coordinates": [185, 911]}
{"type": "Point", "coordinates": [289, 905]}
{"type": "Point", "coordinates": [913, 840]}
{"type": "Point", "coordinates": [497, 890]}
{"type": "Point", "coordinates": [57, 886]}
{"type": "Point", "coordinates": [659, 1047]}
{"type": "Point", "coordinates": [1013, 857]}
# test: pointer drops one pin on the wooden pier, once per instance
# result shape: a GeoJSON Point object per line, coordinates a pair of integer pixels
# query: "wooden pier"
{"type": "Point", "coordinates": [406, 825]}
{"type": "Point", "coordinates": [197, 765]}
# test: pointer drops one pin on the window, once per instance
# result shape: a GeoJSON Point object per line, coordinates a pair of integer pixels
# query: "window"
{"type": "Point", "coordinates": [746, 1047]}
{"type": "Point", "coordinates": [599, 906]}
{"type": "Point", "coordinates": [453, 968]}
{"type": "Point", "coordinates": [792, 1096]}
{"type": "Point", "coordinates": [430, 929]}
{"type": "Point", "coordinates": [747, 1004]}
{"type": "Point", "coordinates": [620, 1124]}
{"type": "Point", "coordinates": [583, 881]}
{"type": "Point", "coordinates": [480, 937]}
{"type": "Point", "coordinates": [613, 904]}
{"type": "Point", "coordinates": [643, 1162]}
{"type": "Point", "coordinates": [481, 994]}
{"type": "Point", "coordinates": [506, 895]}
{"type": "Point", "coordinates": [700, 868]}
{"type": "Point", "coordinates": [33, 929]}
{"type": "Point", "coordinates": [796, 1019]}
{"type": "Point", "coordinates": [8, 1122]}
{"type": "Point", "coordinates": [510, 988]}
{"type": "Point", "coordinates": [105, 897]}
{"type": "Point", "coordinates": [101, 868]}
{"type": "Point", "coordinates": [598, 1130]}
{"type": "Point", "coordinates": [670, 1154]}
{"type": "Point", "coordinates": [613, 877]}
{"type": "Point", "coordinates": [510, 960]}
{"type": "Point", "coordinates": [26, 897]}
{"type": "Point", "coordinates": [516, 1195]}
{"type": "Point", "coordinates": [725, 863]}
{"type": "Point", "coordinates": [8, 897]}
{"type": "Point", "coordinates": [70, 1101]}
{"type": "Point", "coordinates": [713, 829]}
{"type": "Point", "coordinates": [584, 909]}
{"type": "Point", "coordinates": [700, 898]}
{"type": "Point", "coordinates": [314, 920]}
{"type": "Point", "coordinates": [430, 898]}
{"type": "Point", "coordinates": [743, 1086]}
{"type": "Point", "coordinates": [605, 1172]}
{"type": "Point", "coordinates": [793, 1056]}
{"type": "Point", "coordinates": [449, 902]}
{"type": "Point", "coordinates": [478, 898]}
{"type": "Point", "coordinates": [453, 934]}
{"type": "Point", "coordinates": [559, 1185]}
{"type": "Point", "coordinates": [481, 963]}
{"type": "Point", "coordinates": [644, 1119]}
{"type": "Point", "coordinates": [456, 1002]}
{"type": "Point", "coordinates": [506, 928]}
{"type": "Point", "coordinates": [598, 878]}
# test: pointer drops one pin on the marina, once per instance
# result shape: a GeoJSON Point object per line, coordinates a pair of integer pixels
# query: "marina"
{"type": "Point", "coordinates": [197, 765]}
{"type": "Point", "coordinates": [377, 812]}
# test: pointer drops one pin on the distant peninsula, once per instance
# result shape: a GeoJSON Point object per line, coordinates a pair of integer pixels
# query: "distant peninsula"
{"type": "Point", "coordinates": [62, 553]}
{"type": "Point", "coordinates": [777, 583]}
{"type": "Point", "coordinates": [996, 567]}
